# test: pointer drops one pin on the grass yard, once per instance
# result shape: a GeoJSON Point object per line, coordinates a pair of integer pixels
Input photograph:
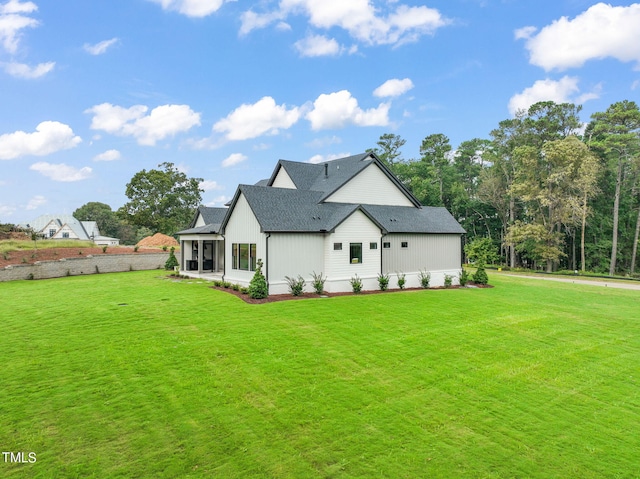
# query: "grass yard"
{"type": "Point", "coordinates": [133, 375]}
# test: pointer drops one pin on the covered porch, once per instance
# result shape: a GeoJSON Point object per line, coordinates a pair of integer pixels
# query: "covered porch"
{"type": "Point", "coordinates": [202, 256]}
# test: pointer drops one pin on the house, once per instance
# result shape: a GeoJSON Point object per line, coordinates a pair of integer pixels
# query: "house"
{"type": "Point", "coordinates": [343, 218]}
{"type": "Point", "coordinates": [67, 227]}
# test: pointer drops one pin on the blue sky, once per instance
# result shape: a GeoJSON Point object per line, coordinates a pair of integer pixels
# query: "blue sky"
{"type": "Point", "coordinates": [92, 92]}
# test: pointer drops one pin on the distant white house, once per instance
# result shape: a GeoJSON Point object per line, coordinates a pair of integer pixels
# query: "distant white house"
{"type": "Point", "coordinates": [343, 218]}
{"type": "Point", "coordinates": [67, 227]}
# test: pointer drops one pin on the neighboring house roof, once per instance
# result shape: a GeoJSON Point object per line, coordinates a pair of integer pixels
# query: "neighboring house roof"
{"type": "Point", "coordinates": [303, 209]}
{"type": "Point", "coordinates": [84, 230]}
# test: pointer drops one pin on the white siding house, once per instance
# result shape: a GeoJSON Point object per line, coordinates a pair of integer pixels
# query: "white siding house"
{"type": "Point", "coordinates": [346, 218]}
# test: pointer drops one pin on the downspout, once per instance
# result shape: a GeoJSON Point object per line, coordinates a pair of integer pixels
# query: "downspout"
{"type": "Point", "coordinates": [381, 250]}
{"type": "Point", "coordinates": [224, 259]}
{"type": "Point", "coordinates": [266, 269]}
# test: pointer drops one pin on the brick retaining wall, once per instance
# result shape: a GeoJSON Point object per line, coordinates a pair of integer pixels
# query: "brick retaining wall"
{"type": "Point", "coordinates": [104, 263]}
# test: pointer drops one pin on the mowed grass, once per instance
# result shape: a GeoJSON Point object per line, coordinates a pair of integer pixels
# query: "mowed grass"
{"type": "Point", "coordinates": [133, 375]}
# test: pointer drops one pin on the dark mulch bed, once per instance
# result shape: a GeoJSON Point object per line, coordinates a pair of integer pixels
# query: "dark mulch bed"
{"type": "Point", "coordinates": [288, 297]}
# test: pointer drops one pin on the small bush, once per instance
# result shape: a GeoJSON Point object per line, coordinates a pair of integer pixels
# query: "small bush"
{"type": "Point", "coordinates": [296, 285]}
{"type": "Point", "coordinates": [401, 280]}
{"type": "Point", "coordinates": [164, 248]}
{"type": "Point", "coordinates": [318, 282]}
{"type": "Point", "coordinates": [172, 261]}
{"type": "Point", "coordinates": [356, 284]}
{"type": "Point", "coordinates": [136, 248]}
{"type": "Point", "coordinates": [226, 284]}
{"type": "Point", "coordinates": [383, 281]}
{"type": "Point", "coordinates": [30, 277]}
{"type": "Point", "coordinates": [448, 280]}
{"type": "Point", "coordinates": [104, 249]}
{"type": "Point", "coordinates": [480, 276]}
{"type": "Point", "coordinates": [235, 287]}
{"type": "Point", "coordinates": [217, 283]}
{"type": "Point", "coordinates": [464, 277]}
{"type": "Point", "coordinates": [244, 290]}
{"type": "Point", "coordinates": [258, 287]}
{"type": "Point", "coordinates": [425, 278]}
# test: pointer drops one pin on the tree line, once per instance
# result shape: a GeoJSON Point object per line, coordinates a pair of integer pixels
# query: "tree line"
{"type": "Point", "coordinates": [543, 192]}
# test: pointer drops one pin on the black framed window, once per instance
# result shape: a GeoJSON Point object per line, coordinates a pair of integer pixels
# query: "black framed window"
{"type": "Point", "coordinates": [373, 245]}
{"type": "Point", "coordinates": [337, 246]}
{"type": "Point", "coordinates": [243, 256]}
{"type": "Point", "coordinates": [386, 245]}
{"type": "Point", "coordinates": [355, 253]}
{"type": "Point", "coordinates": [404, 244]}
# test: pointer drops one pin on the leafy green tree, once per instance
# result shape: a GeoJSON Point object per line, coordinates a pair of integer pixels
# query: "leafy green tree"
{"type": "Point", "coordinates": [615, 135]}
{"type": "Point", "coordinates": [172, 261]}
{"type": "Point", "coordinates": [482, 250]}
{"type": "Point", "coordinates": [162, 200]}
{"type": "Point", "coordinates": [388, 149]}
{"type": "Point", "coordinates": [102, 214]}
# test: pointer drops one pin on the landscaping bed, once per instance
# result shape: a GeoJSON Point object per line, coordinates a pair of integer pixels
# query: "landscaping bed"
{"type": "Point", "coordinates": [53, 254]}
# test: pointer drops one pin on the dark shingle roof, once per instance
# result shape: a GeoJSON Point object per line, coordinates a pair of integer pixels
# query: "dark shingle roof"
{"type": "Point", "coordinates": [212, 217]}
{"type": "Point", "coordinates": [304, 210]}
{"type": "Point", "coordinates": [289, 210]}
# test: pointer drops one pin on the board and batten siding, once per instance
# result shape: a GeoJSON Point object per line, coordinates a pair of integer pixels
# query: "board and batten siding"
{"type": "Point", "coordinates": [339, 269]}
{"type": "Point", "coordinates": [293, 254]}
{"type": "Point", "coordinates": [199, 221]}
{"type": "Point", "coordinates": [438, 254]}
{"type": "Point", "coordinates": [242, 227]}
{"type": "Point", "coordinates": [370, 187]}
{"type": "Point", "coordinates": [283, 180]}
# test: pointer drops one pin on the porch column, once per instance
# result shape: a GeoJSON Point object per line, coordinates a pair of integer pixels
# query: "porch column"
{"type": "Point", "coordinates": [200, 255]}
{"type": "Point", "coordinates": [182, 255]}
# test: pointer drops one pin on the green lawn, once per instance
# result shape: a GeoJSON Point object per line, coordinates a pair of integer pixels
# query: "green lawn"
{"type": "Point", "coordinates": [133, 375]}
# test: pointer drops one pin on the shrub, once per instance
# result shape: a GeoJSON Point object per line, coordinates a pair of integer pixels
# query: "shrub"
{"type": "Point", "coordinates": [448, 280]}
{"type": "Point", "coordinates": [217, 283]}
{"type": "Point", "coordinates": [244, 290]}
{"type": "Point", "coordinates": [296, 285]}
{"type": "Point", "coordinates": [30, 277]}
{"type": "Point", "coordinates": [164, 248]}
{"type": "Point", "coordinates": [464, 277]}
{"type": "Point", "coordinates": [235, 287]}
{"type": "Point", "coordinates": [258, 287]}
{"type": "Point", "coordinates": [356, 284]}
{"type": "Point", "coordinates": [318, 282]}
{"type": "Point", "coordinates": [104, 249]}
{"type": "Point", "coordinates": [480, 276]}
{"type": "Point", "coordinates": [383, 281]}
{"type": "Point", "coordinates": [401, 280]}
{"type": "Point", "coordinates": [172, 261]}
{"type": "Point", "coordinates": [425, 278]}
{"type": "Point", "coordinates": [226, 284]}
{"type": "Point", "coordinates": [136, 248]}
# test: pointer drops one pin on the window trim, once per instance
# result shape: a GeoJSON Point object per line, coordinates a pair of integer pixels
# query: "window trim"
{"type": "Point", "coordinates": [251, 252]}
{"type": "Point", "coordinates": [357, 257]}
{"type": "Point", "coordinates": [386, 245]}
{"type": "Point", "coordinates": [404, 244]}
{"type": "Point", "coordinates": [337, 246]}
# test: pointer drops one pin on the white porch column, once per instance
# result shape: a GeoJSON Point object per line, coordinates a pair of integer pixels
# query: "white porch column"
{"type": "Point", "coordinates": [200, 255]}
{"type": "Point", "coordinates": [182, 255]}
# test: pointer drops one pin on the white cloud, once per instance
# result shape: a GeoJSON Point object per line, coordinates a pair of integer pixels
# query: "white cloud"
{"type": "Point", "coordinates": [36, 202]}
{"type": "Point", "coordinates": [49, 137]}
{"type": "Point", "coordinates": [162, 122]}
{"type": "Point", "coordinates": [322, 158]}
{"type": "Point", "coordinates": [251, 121]}
{"type": "Point", "coordinates": [219, 201]}
{"type": "Point", "coordinates": [21, 70]}
{"type": "Point", "coordinates": [101, 47]}
{"type": "Point", "coordinates": [393, 88]}
{"type": "Point", "coordinates": [524, 33]}
{"type": "Point", "coordinates": [358, 17]}
{"type": "Point", "coordinates": [61, 172]}
{"type": "Point", "coordinates": [601, 31]}
{"type": "Point", "coordinates": [339, 109]}
{"type": "Point", "coordinates": [208, 185]}
{"type": "Point", "coordinates": [109, 155]}
{"type": "Point", "coordinates": [6, 210]}
{"type": "Point", "coordinates": [191, 8]}
{"type": "Point", "coordinates": [12, 21]}
{"type": "Point", "coordinates": [635, 85]}
{"type": "Point", "coordinates": [561, 91]}
{"type": "Point", "coordinates": [317, 46]}
{"type": "Point", "coordinates": [233, 159]}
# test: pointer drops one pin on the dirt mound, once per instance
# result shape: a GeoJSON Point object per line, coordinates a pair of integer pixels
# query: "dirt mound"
{"type": "Point", "coordinates": [158, 239]}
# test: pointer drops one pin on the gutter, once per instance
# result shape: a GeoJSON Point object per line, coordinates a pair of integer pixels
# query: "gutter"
{"type": "Point", "coordinates": [224, 259]}
{"type": "Point", "coordinates": [266, 269]}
